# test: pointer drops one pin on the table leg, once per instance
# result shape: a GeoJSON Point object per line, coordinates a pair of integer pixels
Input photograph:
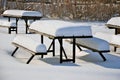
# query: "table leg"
{"type": "Point", "coordinates": [61, 43]}
{"type": "Point", "coordinates": [52, 45]}
{"type": "Point", "coordinates": [8, 19]}
{"type": "Point", "coordinates": [26, 23]}
{"type": "Point", "coordinates": [74, 49]}
{"type": "Point", "coordinates": [62, 50]}
{"type": "Point", "coordinates": [115, 31]}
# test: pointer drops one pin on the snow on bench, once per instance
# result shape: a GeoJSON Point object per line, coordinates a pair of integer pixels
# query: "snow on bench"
{"type": "Point", "coordinates": [94, 44]}
{"type": "Point", "coordinates": [21, 41]}
{"type": "Point", "coordinates": [10, 25]}
{"type": "Point", "coordinates": [113, 40]}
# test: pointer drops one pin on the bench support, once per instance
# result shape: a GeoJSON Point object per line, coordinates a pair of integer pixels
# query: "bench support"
{"type": "Point", "coordinates": [14, 51]}
{"type": "Point", "coordinates": [12, 29]}
{"type": "Point", "coordinates": [100, 53]}
{"type": "Point", "coordinates": [30, 59]}
{"type": "Point", "coordinates": [115, 48]}
{"type": "Point", "coordinates": [31, 56]}
{"type": "Point", "coordinates": [79, 48]}
{"type": "Point", "coordinates": [104, 59]}
{"type": "Point", "coordinates": [52, 45]}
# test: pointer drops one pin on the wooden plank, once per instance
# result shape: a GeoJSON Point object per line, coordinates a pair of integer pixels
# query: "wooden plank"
{"type": "Point", "coordinates": [41, 33]}
{"type": "Point", "coordinates": [32, 52]}
{"type": "Point", "coordinates": [112, 26]}
{"type": "Point", "coordinates": [95, 50]}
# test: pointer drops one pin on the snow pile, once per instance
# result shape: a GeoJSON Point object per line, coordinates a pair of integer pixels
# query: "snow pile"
{"type": "Point", "coordinates": [30, 44]}
{"type": "Point", "coordinates": [114, 21]}
{"type": "Point", "coordinates": [22, 13]}
{"type": "Point", "coordinates": [61, 28]}
{"type": "Point", "coordinates": [7, 24]}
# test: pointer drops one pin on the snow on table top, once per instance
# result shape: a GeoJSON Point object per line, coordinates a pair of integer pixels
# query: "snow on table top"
{"type": "Point", "coordinates": [61, 28]}
{"type": "Point", "coordinates": [7, 24]}
{"type": "Point", "coordinates": [22, 13]}
{"type": "Point", "coordinates": [29, 43]}
{"type": "Point", "coordinates": [114, 21]}
{"type": "Point", "coordinates": [74, 31]}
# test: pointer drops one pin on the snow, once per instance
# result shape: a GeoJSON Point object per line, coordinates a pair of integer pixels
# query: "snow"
{"type": "Point", "coordinates": [29, 43]}
{"type": "Point", "coordinates": [88, 65]}
{"type": "Point", "coordinates": [114, 21]}
{"type": "Point", "coordinates": [74, 31]}
{"type": "Point", "coordinates": [106, 36]}
{"type": "Point", "coordinates": [7, 24]}
{"type": "Point", "coordinates": [94, 43]}
{"type": "Point", "coordinates": [22, 13]}
{"type": "Point", "coordinates": [111, 38]}
{"type": "Point", "coordinates": [61, 28]}
{"type": "Point", "coordinates": [116, 39]}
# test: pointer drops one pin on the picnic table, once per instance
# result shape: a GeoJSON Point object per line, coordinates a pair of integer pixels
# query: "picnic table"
{"type": "Point", "coordinates": [60, 30]}
{"type": "Point", "coordinates": [114, 23]}
{"type": "Point", "coordinates": [22, 14]}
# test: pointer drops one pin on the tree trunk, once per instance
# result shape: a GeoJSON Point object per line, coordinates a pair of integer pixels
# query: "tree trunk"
{"type": "Point", "coordinates": [4, 3]}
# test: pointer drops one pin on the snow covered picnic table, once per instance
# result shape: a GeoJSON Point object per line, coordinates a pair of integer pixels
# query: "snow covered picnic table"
{"type": "Point", "coordinates": [58, 29]}
{"type": "Point", "coordinates": [22, 14]}
{"type": "Point", "coordinates": [114, 23]}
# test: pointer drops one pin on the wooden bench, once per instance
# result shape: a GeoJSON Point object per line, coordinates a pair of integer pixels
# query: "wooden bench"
{"type": "Point", "coordinates": [10, 25]}
{"type": "Point", "coordinates": [94, 44]}
{"type": "Point", "coordinates": [28, 44]}
{"type": "Point", "coordinates": [113, 39]}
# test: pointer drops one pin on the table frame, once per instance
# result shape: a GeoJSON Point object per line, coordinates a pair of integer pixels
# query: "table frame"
{"type": "Point", "coordinates": [25, 18]}
{"type": "Point", "coordinates": [117, 28]}
{"type": "Point", "coordinates": [62, 50]}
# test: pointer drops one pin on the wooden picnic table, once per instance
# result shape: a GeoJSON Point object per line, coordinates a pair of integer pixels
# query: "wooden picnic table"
{"type": "Point", "coordinates": [22, 14]}
{"type": "Point", "coordinates": [60, 30]}
{"type": "Point", "coordinates": [114, 23]}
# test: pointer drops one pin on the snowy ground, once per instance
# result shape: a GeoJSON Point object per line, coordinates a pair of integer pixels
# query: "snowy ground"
{"type": "Point", "coordinates": [88, 65]}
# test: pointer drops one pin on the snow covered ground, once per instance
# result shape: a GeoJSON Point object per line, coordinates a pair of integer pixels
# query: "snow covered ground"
{"type": "Point", "coordinates": [88, 65]}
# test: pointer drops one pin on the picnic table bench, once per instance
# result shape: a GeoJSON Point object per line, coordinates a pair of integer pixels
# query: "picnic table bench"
{"type": "Point", "coordinates": [113, 39]}
{"type": "Point", "coordinates": [95, 44]}
{"type": "Point", "coordinates": [28, 44]}
{"type": "Point", "coordinates": [10, 25]}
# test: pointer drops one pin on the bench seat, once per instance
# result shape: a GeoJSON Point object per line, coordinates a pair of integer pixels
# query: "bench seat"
{"type": "Point", "coordinates": [10, 25]}
{"type": "Point", "coordinates": [94, 44]}
{"type": "Point", "coordinates": [113, 39]}
{"type": "Point", "coordinates": [25, 42]}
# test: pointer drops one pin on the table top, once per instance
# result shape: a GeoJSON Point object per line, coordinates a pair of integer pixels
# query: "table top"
{"type": "Point", "coordinates": [59, 28]}
{"type": "Point", "coordinates": [22, 14]}
{"type": "Point", "coordinates": [114, 22]}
